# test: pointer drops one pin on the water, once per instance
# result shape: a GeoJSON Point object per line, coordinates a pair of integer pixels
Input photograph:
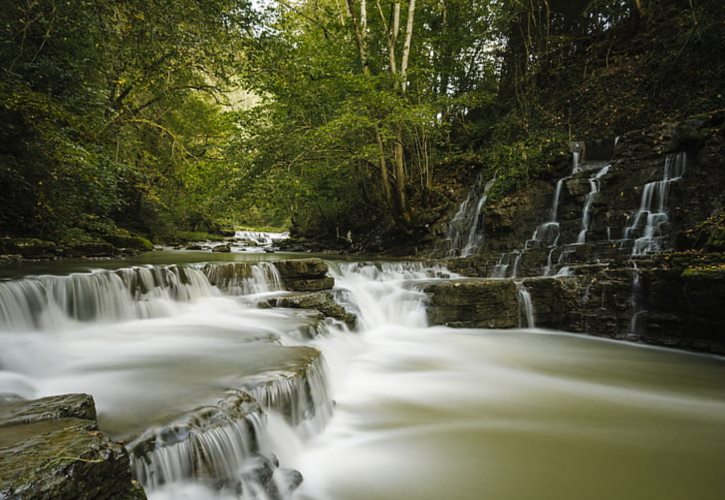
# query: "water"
{"type": "Point", "coordinates": [421, 412]}
{"type": "Point", "coordinates": [593, 190]}
{"type": "Point", "coordinates": [650, 221]}
{"type": "Point", "coordinates": [466, 231]}
{"type": "Point", "coordinates": [261, 238]}
{"type": "Point", "coordinates": [526, 307]}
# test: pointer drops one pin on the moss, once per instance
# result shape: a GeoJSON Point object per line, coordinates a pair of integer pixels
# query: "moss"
{"type": "Point", "coordinates": [709, 272]}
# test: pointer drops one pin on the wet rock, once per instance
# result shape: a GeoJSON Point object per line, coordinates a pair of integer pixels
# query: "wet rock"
{"type": "Point", "coordinates": [51, 448]}
{"type": "Point", "coordinates": [49, 408]}
{"type": "Point", "coordinates": [305, 275]}
{"type": "Point", "coordinates": [319, 301]}
{"type": "Point", "coordinates": [474, 303]}
{"type": "Point", "coordinates": [222, 249]}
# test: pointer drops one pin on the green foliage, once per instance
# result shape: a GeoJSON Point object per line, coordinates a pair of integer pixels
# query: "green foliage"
{"type": "Point", "coordinates": [116, 111]}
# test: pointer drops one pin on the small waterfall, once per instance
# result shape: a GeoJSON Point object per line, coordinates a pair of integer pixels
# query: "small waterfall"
{"type": "Point", "coordinates": [466, 231]}
{"type": "Point", "coordinates": [213, 443]}
{"type": "Point", "coordinates": [260, 238]}
{"type": "Point", "coordinates": [548, 269]}
{"type": "Point", "coordinates": [384, 293]}
{"type": "Point", "coordinates": [52, 302]}
{"type": "Point", "coordinates": [243, 278]}
{"type": "Point", "coordinates": [526, 307]}
{"type": "Point", "coordinates": [594, 189]}
{"type": "Point", "coordinates": [508, 260]}
{"type": "Point", "coordinates": [302, 398]}
{"type": "Point", "coordinates": [653, 208]}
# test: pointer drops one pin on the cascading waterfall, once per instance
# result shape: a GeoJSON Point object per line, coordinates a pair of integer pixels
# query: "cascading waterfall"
{"type": "Point", "coordinates": [653, 211]}
{"type": "Point", "coordinates": [260, 238]}
{"type": "Point", "coordinates": [412, 401]}
{"type": "Point", "coordinates": [594, 189]}
{"type": "Point", "coordinates": [214, 443]}
{"type": "Point", "coordinates": [43, 302]}
{"type": "Point", "coordinates": [466, 231]}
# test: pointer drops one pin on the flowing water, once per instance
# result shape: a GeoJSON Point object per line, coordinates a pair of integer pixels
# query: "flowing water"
{"type": "Point", "coordinates": [419, 412]}
{"type": "Point", "coordinates": [593, 190]}
{"type": "Point", "coordinates": [648, 223]}
{"type": "Point", "coordinates": [466, 231]}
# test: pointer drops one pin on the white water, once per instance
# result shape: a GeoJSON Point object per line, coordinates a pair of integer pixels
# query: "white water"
{"type": "Point", "coordinates": [653, 210]}
{"type": "Point", "coordinates": [593, 190]}
{"type": "Point", "coordinates": [422, 412]}
{"type": "Point", "coordinates": [261, 238]}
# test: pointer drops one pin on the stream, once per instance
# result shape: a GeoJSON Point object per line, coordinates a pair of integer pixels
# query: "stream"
{"type": "Point", "coordinates": [395, 409]}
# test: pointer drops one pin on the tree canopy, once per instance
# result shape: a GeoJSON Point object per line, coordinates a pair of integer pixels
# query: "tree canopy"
{"type": "Point", "coordinates": [327, 116]}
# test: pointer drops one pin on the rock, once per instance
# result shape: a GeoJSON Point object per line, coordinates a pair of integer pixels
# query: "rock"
{"type": "Point", "coordinates": [222, 249]}
{"type": "Point", "coordinates": [49, 408]}
{"type": "Point", "coordinates": [320, 301]}
{"type": "Point", "coordinates": [301, 268]}
{"type": "Point", "coordinates": [51, 448]}
{"type": "Point", "coordinates": [194, 246]}
{"type": "Point", "coordinates": [28, 248]}
{"type": "Point", "coordinates": [305, 275]}
{"type": "Point", "coordinates": [89, 249]}
{"type": "Point", "coordinates": [473, 303]}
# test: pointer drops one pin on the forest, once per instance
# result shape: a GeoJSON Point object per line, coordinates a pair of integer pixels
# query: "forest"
{"type": "Point", "coordinates": [153, 119]}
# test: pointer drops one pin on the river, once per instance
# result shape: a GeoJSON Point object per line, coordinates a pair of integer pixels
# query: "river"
{"type": "Point", "coordinates": [401, 409]}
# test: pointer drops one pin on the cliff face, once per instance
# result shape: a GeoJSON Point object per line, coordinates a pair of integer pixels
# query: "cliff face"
{"type": "Point", "coordinates": [630, 237]}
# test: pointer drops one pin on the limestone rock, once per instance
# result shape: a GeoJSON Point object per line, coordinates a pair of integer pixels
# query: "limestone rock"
{"type": "Point", "coordinates": [305, 275]}
{"type": "Point", "coordinates": [51, 449]}
{"type": "Point", "coordinates": [473, 303]}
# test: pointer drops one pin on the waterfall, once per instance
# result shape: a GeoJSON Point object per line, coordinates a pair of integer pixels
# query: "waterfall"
{"type": "Point", "coordinates": [526, 307]}
{"type": "Point", "coordinates": [383, 293]}
{"type": "Point", "coordinates": [53, 302]}
{"type": "Point", "coordinates": [213, 443]}
{"type": "Point", "coordinates": [466, 231]}
{"type": "Point", "coordinates": [304, 400]}
{"type": "Point", "coordinates": [653, 211]}
{"type": "Point", "coordinates": [243, 278]}
{"type": "Point", "coordinates": [260, 238]}
{"type": "Point", "coordinates": [593, 190]}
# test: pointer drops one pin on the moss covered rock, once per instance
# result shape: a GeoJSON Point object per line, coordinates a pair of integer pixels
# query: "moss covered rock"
{"type": "Point", "coordinates": [51, 448]}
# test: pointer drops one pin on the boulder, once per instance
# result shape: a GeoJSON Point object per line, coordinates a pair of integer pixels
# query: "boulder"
{"type": "Point", "coordinates": [222, 249]}
{"type": "Point", "coordinates": [51, 448]}
{"type": "Point", "coordinates": [305, 275]}
{"type": "Point", "coordinates": [473, 303]}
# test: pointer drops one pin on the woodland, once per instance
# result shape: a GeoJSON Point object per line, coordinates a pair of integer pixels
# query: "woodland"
{"type": "Point", "coordinates": [328, 117]}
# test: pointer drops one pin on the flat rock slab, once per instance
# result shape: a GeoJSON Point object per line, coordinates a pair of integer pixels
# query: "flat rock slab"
{"type": "Point", "coordinates": [51, 448]}
{"type": "Point", "coordinates": [473, 303]}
